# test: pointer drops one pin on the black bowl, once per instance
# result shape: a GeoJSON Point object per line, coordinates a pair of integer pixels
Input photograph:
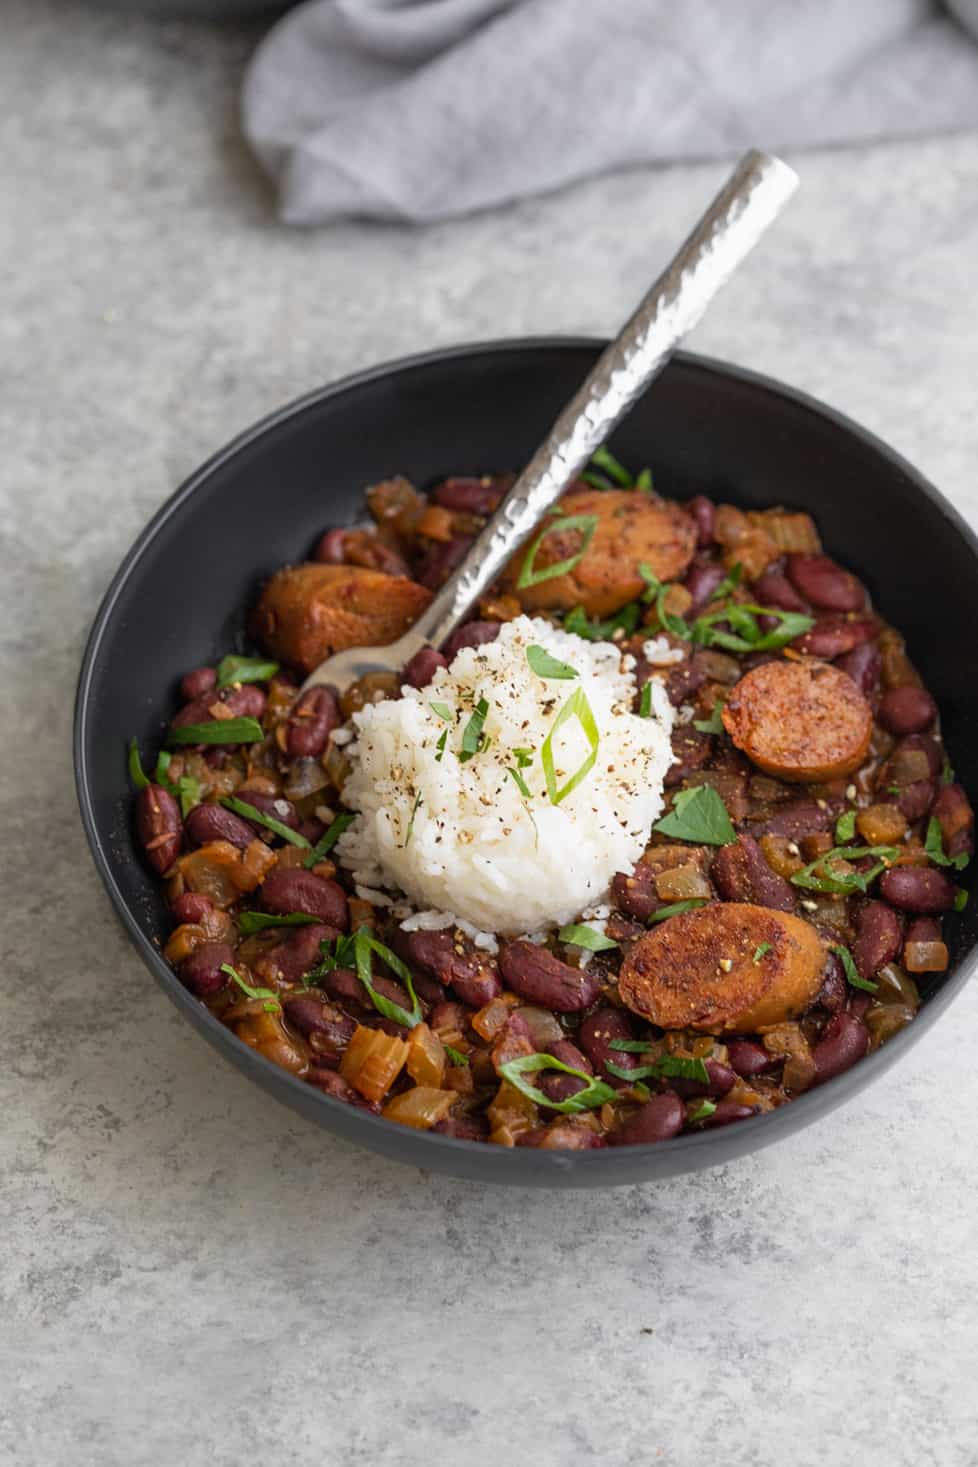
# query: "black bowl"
{"type": "Point", "coordinates": [179, 597]}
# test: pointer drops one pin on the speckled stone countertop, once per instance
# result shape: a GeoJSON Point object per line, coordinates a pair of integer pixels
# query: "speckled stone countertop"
{"type": "Point", "coordinates": [188, 1273]}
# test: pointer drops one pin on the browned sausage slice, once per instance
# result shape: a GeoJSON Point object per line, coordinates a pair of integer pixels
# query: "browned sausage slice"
{"type": "Point", "coordinates": [727, 968]}
{"type": "Point", "coordinates": [799, 720]}
{"type": "Point", "coordinates": [632, 530]}
{"type": "Point", "coordinates": [308, 612]}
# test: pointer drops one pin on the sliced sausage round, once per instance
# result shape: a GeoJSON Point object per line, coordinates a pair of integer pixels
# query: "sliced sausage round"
{"type": "Point", "coordinates": [801, 721]}
{"type": "Point", "coordinates": [730, 967]}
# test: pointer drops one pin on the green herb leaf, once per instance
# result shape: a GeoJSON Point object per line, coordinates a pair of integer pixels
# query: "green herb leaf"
{"type": "Point", "coordinates": [418, 801]}
{"type": "Point", "coordinates": [188, 793]}
{"type": "Point", "coordinates": [218, 731]}
{"type": "Point", "coordinates": [645, 700]}
{"type": "Point", "coordinates": [364, 945]}
{"type": "Point", "coordinates": [934, 847]}
{"type": "Point", "coordinates": [586, 523]}
{"type": "Point", "coordinates": [630, 1046]}
{"type": "Point", "coordinates": [595, 481]}
{"type": "Point", "coordinates": [689, 904]}
{"type": "Point", "coordinates": [667, 1066]}
{"type": "Point", "coordinates": [443, 711]}
{"type": "Point", "coordinates": [473, 739]}
{"type": "Point", "coordinates": [818, 875]}
{"type": "Point", "coordinates": [699, 815]}
{"type": "Point", "coordinates": [608, 464]}
{"type": "Point", "coordinates": [546, 666]}
{"type": "Point", "coordinates": [657, 591]}
{"type": "Point", "coordinates": [702, 1112]}
{"type": "Point", "coordinates": [244, 670]}
{"type": "Point", "coordinates": [161, 773]}
{"type": "Point", "coordinates": [759, 951]}
{"type": "Point", "coordinates": [851, 971]}
{"type": "Point", "coordinates": [440, 747]}
{"type": "Point", "coordinates": [136, 772]}
{"type": "Point", "coordinates": [248, 812]}
{"type": "Point", "coordinates": [524, 758]}
{"type": "Point", "coordinates": [580, 935]}
{"type": "Point", "coordinates": [729, 583]}
{"type": "Point", "coordinates": [595, 1091]}
{"type": "Point", "coordinates": [456, 1056]}
{"type": "Point", "coordinates": [577, 706]}
{"type": "Point", "coordinates": [713, 724]}
{"type": "Point", "coordinates": [328, 839]}
{"type": "Point", "coordinates": [273, 1007]}
{"type": "Point", "coordinates": [520, 782]}
{"type": "Point", "coordinates": [960, 899]}
{"type": "Point", "coordinates": [746, 634]}
{"type": "Point", "coordinates": [644, 481]}
{"type": "Point", "coordinates": [845, 827]}
{"type": "Point", "coordinates": [252, 922]}
{"type": "Point", "coordinates": [626, 620]}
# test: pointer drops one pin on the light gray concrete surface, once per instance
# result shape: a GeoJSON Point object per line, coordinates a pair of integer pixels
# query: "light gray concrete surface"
{"type": "Point", "coordinates": [189, 1274]}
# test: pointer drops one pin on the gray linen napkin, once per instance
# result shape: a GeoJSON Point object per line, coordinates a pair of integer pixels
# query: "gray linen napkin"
{"type": "Point", "coordinates": [422, 109]}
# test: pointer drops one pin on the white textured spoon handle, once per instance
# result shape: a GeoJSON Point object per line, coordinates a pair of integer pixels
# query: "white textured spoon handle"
{"type": "Point", "coordinates": [748, 203]}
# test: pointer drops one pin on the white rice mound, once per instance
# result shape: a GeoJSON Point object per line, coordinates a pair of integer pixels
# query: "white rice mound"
{"type": "Point", "coordinates": [459, 839]}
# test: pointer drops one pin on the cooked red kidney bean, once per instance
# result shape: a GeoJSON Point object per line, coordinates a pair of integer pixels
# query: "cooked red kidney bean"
{"type": "Point", "coordinates": [953, 812]}
{"type": "Point", "coordinates": [748, 1059]}
{"type": "Point", "coordinates": [741, 874]}
{"type": "Point", "coordinates": [833, 992]}
{"type": "Point", "coordinates": [923, 929]}
{"type": "Point", "coordinates": [657, 1120]}
{"type": "Point", "coordinates": [863, 664]}
{"type": "Point", "coordinates": [563, 1134]}
{"type": "Point", "coordinates": [471, 496]}
{"type": "Point", "coordinates": [879, 937]}
{"type": "Point", "coordinates": [455, 961]}
{"type": "Point", "coordinates": [247, 701]}
{"type": "Point", "coordinates": [312, 829]}
{"type": "Point", "coordinates": [635, 894]}
{"type": "Point", "coordinates": [423, 666]}
{"type": "Point", "coordinates": [692, 750]}
{"type": "Point", "coordinates": [463, 1128]}
{"type": "Point", "coordinates": [774, 589]}
{"type": "Point", "coordinates": [191, 906]}
{"type": "Point", "coordinates": [824, 583]}
{"type": "Point", "coordinates": [333, 1084]}
{"type": "Point", "coordinates": [443, 559]}
{"type": "Point", "coordinates": [595, 1036]}
{"type": "Point", "coordinates": [310, 723]}
{"type": "Point", "coordinates": [800, 818]}
{"type": "Point", "coordinates": [907, 710]}
{"type": "Point", "coordinates": [298, 951]}
{"type": "Point", "coordinates": [212, 822]}
{"type": "Point", "coordinates": [917, 889]}
{"type": "Point", "coordinates": [914, 800]}
{"type": "Point", "coordinates": [276, 806]}
{"type": "Point", "coordinates": [858, 1004]}
{"type": "Point", "coordinates": [562, 1087]}
{"type": "Point", "coordinates": [343, 984]}
{"type": "Point", "coordinates": [199, 680]}
{"type": "Point", "coordinates": [158, 826]}
{"type": "Point", "coordinates": [921, 742]}
{"type": "Point", "coordinates": [727, 1112]}
{"type": "Point", "coordinates": [294, 890]}
{"type": "Point", "coordinates": [329, 548]}
{"type": "Point", "coordinates": [201, 971]}
{"type": "Point", "coordinates": [832, 636]}
{"type": "Point", "coordinates": [535, 974]}
{"type": "Point", "coordinates": [359, 547]}
{"type": "Point", "coordinates": [429, 990]}
{"type": "Point", "coordinates": [844, 1040]}
{"type": "Point", "coordinates": [448, 1017]}
{"type": "Point", "coordinates": [472, 634]}
{"type": "Point", "coordinates": [313, 1015]}
{"type": "Point", "coordinates": [704, 512]}
{"type": "Point", "coordinates": [685, 679]}
{"type": "Point", "coordinates": [701, 581]}
{"type": "Point", "coordinates": [198, 710]}
{"type": "Point", "coordinates": [722, 1079]}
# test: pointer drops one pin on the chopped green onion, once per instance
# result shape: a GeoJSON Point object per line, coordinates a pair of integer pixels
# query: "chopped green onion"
{"type": "Point", "coordinates": [644, 481]}
{"type": "Point", "coordinates": [630, 1046]}
{"type": "Point", "coordinates": [443, 711]}
{"type": "Point", "coordinates": [626, 620]}
{"type": "Point", "coordinates": [577, 706]}
{"type": "Point", "coordinates": [241, 807]}
{"type": "Point", "coordinates": [520, 782]}
{"type": "Point", "coordinates": [851, 971]}
{"type": "Point", "coordinates": [934, 847]}
{"type": "Point", "coordinates": [364, 946]}
{"type": "Point", "coordinates": [160, 774]}
{"type": "Point", "coordinates": [894, 789]}
{"type": "Point", "coordinates": [218, 731]}
{"type": "Point", "coordinates": [440, 747]}
{"type": "Point", "coordinates": [713, 724]}
{"type": "Point", "coordinates": [759, 951]}
{"type": "Point", "coordinates": [544, 665]}
{"type": "Point", "coordinates": [136, 772]}
{"type": "Point", "coordinates": [244, 670]}
{"type": "Point", "coordinates": [272, 1007]}
{"type": "Point", "coordinates": [595, 481]}
{"type": "Point", "coordinates": [595, 1092]}
{"type": "Point", "coordinates": [667, 1066]}
{"type": "Point", "coordinates": [456, 1056]}
{"type": "Point", "coordinates": [608, 464]}
{"type": "Point", "coordinates": [473, 739]}
{"type": "Point", "coordinates": [580, 935]}
{"type": "Point", "coordinates": [729, 583]}
{"type": "Point", "coordinates": [328, 839]}
{"type": "Point", "coordinates": [699, 815]}
{"type": "Point", "coordinates": [586, 523]}
{"type": "Point", "coordinates": [188, 793]}
{"type": "Point", "coordinates": [702, 1112]}
{"type": "Point", "coordinates": [524, 758]}
{"type": "Point", "coordinates": [252, 922]}
{"type": "Point", "coordinates": [418, 801]}
{"type": "Point", "coordinates": [845, 827]}
{"type": "Point", "coordinates": [657, 591]}
{"type": "Point", "coordinates": [645, 700]}
{"type": "Point", "coordinates": [846, 882]}
{"type": "Point", "coordinates": [689, 904]}
{"type": "Point", "coordinates": [960, 899]}
{"type": "Point", "coordinates": [747, 635]}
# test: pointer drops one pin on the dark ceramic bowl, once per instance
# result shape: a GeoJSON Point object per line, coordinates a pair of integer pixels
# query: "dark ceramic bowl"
{"type": "Point", "coordinates": [179, 597]}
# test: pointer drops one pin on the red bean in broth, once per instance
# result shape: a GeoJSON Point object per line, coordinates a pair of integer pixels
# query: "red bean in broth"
{"type": "Point", "coordinates": [443, 559]}
{"type": "Point", "coordinates": [878, 939]}
{"type": "Point", "coordinates": [701, 581]}
{"type": "Point", "coordinates": [200, 680]}
{"type": "Point", "coordinates": [834, 635]}
{"type": "Point", "coordinates": [201, 971]}
{"type": "Point", "coordinates": [703, 511]}
{"type": "Point", "coordinates": [844, 1040]}
{"type": "Point", "coordinates": [333, 1084]}
{"type": "Point", "coordinates": [692, 751]}
{"type": "Point", "coordinates": [209, 822]}
{"type": "Point", "coordinates": [191, 906]}
{"type": "Point", "coordinates": [248, 701]}
{"type": "Point", "coordinates": [727, 1112]}
{"type": "Point", "coordinates": [914, 800]}
{"type": "Point", "coordinates": [344, 985]}
{"type": "Point", "coordinates": [833, 992]}
{"type": "Point", "coordinates": [748, 1059]}
{"type": "Point", "coordinates": [907, 710]}
{"type": "Point", "coordinates": [596, 1035]}
{"type": "Point", "coordinates": [774, 589]}
{"type": "Point", "coordinates": [310, 723]}
{"type": "Point", "coordinates": [741, 874]}
{"type": "Point", "coordinates": [533, 973]}
{"type": "Point", "coordinates": [463, 1128]}
{"type": "Point", "coordinates": [329, 548]}
{"type": "Point", "coordinates": [293, 890]}
{"type": "Point", "coordinates": [298, 952]}
{"type": "Point", "coordinates": [863, 664]}
{"type": "Point", "coordinates": [824, 583]}
{"type": "Point", "coordinates": [159, 827]}
{"type": "Point", "coordinates": [635, 894]}
{"type": "Point", "coordinates": [471, 496]}
{"type": "Point", "coordinates": [423, 666]}
{"type": "Point", "coordinates": [456, 963]}
{"type": "Point", "coordinates": [311, 1016]}
{"type": "Point", "coordinates": [917, 889]}
{"type": "Point", "coordinates": [801, 818]}
{"type": "Point", "coordinates": [658, 1119]}
{"type": "Point", "coordinates": [953, 812]}
{"type": "Point", "coordinates": [472, 634]}
{"type": "Point", "coordinates": [722, 1079]}
{"type": "Point", "coordinates": [562, 1087]}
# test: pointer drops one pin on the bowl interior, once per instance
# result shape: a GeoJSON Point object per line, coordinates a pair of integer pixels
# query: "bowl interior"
{"type": "Point", "coordinates": [179, 600]}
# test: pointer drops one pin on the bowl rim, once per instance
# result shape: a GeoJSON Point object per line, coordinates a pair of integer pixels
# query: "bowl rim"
{"type": "Point", "coordinates": [513, 1165]}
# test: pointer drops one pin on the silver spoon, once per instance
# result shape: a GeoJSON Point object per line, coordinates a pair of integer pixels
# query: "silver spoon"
{"type": "Point", "coordinates": [748, 203]}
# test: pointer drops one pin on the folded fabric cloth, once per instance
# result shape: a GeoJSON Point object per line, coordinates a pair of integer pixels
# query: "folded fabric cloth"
{"type": "Point", "coordinates": [422, 109]}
